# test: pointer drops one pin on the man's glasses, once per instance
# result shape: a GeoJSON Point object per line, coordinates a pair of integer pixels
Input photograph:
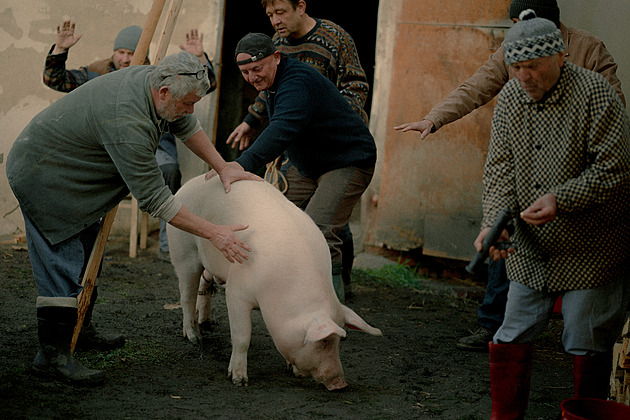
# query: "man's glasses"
{"type": "Point", "coordinates": [199, 75]}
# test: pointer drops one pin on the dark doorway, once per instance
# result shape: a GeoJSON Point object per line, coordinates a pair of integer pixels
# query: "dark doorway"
{"type": "Point", "coordinates": [357, 17]}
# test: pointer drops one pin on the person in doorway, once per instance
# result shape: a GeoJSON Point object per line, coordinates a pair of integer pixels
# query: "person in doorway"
{"type": "Point", "coordinates": [584, 50]}
{"type": "Point", "coordinates": [78, 158]}
{"type": "Point", "coordinates": [331, 149]}
{"type": "Point", "coordinates": [559, 157]}
{"type": "Point", "coordinates": [330, 50]}
{"type": "Point", "coordinates": [57, 77]}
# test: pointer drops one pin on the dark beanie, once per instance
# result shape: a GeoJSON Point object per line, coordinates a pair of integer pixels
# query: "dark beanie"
{"type": "Point", "coordinates": [257, 45]}
{"type": "Point", "coordinates": [546, 9]}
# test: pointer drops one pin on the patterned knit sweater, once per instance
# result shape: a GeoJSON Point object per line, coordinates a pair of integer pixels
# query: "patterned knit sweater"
{"type": "Point", "coordinates": [330, 50]}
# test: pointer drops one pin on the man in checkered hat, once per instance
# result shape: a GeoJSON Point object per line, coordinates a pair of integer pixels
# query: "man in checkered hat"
{"type": "Point", "coordinates": [584, 50]}
{"type": "Point", "coordinates": [559, 158]}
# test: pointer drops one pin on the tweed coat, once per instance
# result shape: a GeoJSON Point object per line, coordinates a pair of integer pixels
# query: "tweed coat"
{"type": "Point", "coordinates": [573, 143]}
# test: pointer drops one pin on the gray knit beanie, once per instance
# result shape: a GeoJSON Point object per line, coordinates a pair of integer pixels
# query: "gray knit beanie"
{"type": "Point", "coordinates": [532, 37]}
{"type": "Point", "coordinates": [546, 9]}
{"type": "Point", "coordinates": [128, 38]}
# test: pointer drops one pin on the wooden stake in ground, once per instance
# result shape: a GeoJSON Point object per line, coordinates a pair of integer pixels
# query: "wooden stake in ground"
{"type": "Point", "coordinates": [94, 262]}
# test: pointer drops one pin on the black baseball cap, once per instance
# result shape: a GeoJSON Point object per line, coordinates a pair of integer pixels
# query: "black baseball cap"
{"type": "Point", "coordinates": [255, 44]}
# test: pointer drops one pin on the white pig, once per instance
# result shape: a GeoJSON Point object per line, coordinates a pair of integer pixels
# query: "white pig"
{"type": "Point", "coordinates": [288, 276]}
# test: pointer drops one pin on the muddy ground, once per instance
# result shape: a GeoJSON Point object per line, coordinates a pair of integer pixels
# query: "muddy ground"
{"type": "Point", "coordinates": [413, 371]}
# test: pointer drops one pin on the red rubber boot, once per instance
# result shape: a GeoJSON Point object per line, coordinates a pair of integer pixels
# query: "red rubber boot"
{"type": "Point", "coordinates": [510, 375]}
{"type": "Point", "coordinates": [591, 375]}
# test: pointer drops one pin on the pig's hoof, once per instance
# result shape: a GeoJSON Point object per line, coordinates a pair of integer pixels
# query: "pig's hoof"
{"type": "Point", "coordinates": [193, 336]}
{"type": "Point", "coordinates": [239, 382]}
{"type": "Point", "coordinates": [242, 381]}
{"type": "Point", "coordinates": [239, 378]}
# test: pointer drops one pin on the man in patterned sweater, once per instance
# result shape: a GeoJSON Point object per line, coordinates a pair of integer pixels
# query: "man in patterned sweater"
{"type": "Point", "coordinates": [559, 158]}
{"type": "Point", "coordinates": [330, 50]}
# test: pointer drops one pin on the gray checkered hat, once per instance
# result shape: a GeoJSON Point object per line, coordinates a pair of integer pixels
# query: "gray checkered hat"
{"type": "Point", "coordinates": [532, 37]}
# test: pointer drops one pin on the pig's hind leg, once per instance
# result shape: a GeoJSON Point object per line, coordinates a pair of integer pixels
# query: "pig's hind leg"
{"type": "Point", "coordinates": [240, 315]}
{"type": "Point", "coordinates": [188, 272]}
{"type": "Point", "coordinates": [207, 289]}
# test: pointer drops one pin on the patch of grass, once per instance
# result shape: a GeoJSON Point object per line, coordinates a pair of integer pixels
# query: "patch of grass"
{"type": "Point", "coordinates": [395, 275]}
{"type": "Point", "coordinates": [149, 353]}
{"type": "Point", "coordinates": [121, 292]}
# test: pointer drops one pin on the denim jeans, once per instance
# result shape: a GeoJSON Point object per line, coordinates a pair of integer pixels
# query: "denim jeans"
{"type": "Point", "coordinates": [58, 269]}
{"type": "Point", "coordinates": [173, 179]}
{"type": "Point", "coordinates": [492, 310]}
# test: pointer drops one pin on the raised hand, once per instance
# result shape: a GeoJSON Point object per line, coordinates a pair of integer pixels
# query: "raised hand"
{"type": "Point", "coordinates": [194, 44]}
{"type": "Point", "coordinates": [65, 37]}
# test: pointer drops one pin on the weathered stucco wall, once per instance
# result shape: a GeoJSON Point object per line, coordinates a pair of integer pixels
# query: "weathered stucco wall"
{"type": "Point", "coordinates": [27, 31]}
{"type": "Point", "coordinates": [426, 193]}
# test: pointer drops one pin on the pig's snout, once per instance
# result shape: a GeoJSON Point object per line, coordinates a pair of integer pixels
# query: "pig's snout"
{"type": "Point", "coordinates": [337, 383]}
{"type": "Point", "coordinates": [332, 379]}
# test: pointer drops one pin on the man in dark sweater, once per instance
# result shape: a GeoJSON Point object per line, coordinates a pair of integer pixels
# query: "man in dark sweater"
{"type": "Point", "coordinates": [331, 148]}
{"type": "Point", "coordinates": [330, 50]}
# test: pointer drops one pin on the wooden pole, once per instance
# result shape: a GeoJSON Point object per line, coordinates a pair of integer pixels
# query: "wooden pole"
{"type": "Point", "coordinates": [133, 228]}
{"type": "Point", "coordinates": [164, 39]}
{"type": "Point", "coordinates": [167, 31]}
{"type": "Point", "coordinates": [94, 262]}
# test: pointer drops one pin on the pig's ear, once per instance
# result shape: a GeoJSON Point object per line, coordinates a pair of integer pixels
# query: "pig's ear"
{"type": "Point", "coordinates": [318, 330]}
{"type": "Point", "coordinates": [355, 322]}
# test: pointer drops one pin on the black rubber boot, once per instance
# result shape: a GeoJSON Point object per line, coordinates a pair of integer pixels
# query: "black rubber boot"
{"type": "Point", "coordinates": [55, 325]}
{"type": "Point", "coordinates": [90, 339]}
{"type": "Point", "coordinates": [347, 255]}
{"type": "Point", "coordinates": [338, 282]}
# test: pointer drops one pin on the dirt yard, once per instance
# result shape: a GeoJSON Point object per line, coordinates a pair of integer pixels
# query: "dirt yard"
{"type": "Point", "coordinates": [413, 371]}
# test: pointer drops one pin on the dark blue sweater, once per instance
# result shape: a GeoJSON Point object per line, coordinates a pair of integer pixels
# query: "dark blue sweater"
{"type": "Point", "coordinates": [312, 122]}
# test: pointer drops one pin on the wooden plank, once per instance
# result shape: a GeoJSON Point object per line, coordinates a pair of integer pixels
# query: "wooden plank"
{"type": "Point", "coordinates": [144, 230]}
{"type": "Point", "coordinates": [133, 228]}
{"type": "Point", "coordinates": [624, 356]}
{"type": "Point", "coordinates": [167, 31]}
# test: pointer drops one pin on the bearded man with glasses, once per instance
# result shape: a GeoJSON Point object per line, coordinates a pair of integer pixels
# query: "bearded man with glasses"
{"type": "Point", "coordinates": [78, 158]}
{"type": "Point", "coordinates": [57, 77]}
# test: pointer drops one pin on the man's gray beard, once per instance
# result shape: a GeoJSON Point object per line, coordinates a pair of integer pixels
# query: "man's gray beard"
{"type": "Point", "coordinates": [166, 112]}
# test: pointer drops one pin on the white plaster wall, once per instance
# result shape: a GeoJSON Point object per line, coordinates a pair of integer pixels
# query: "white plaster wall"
{"type": "Point", "coordinates": [27, 31]}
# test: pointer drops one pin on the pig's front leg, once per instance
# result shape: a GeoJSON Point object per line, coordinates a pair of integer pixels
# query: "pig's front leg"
{"type": "Point", "coordinates": [240, 315]}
